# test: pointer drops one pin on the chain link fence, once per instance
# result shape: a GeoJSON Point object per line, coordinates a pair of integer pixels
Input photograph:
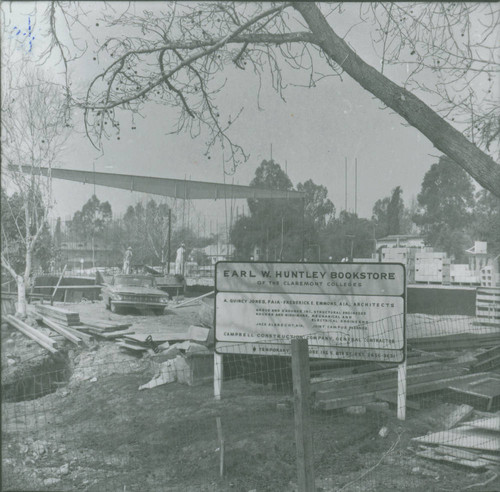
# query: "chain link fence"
{"type": "Point", "coordinates": [98, 418]}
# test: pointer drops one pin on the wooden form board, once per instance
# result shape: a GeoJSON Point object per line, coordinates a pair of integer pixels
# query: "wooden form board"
{"type": "Point", "coordinates": [457, 341]}
{"type": "Point", "coordinates": [444, 453]}
{"type": "Point", "coordinates": [60, 329]}
{"type": "Point", "coordinates": [61, 315]}
{"type": "Point", "coordinates": [361, 395]}
{"type": "Point", "coordinates": [492, 423]}
{"type": "Point", "coordinates": [464, 437]}
{"type": "Point", "coordinates": [42, 340]}
{"type": "Point", "coordinates": [106, 325]}
{"type": "Point", "coordinates": [485, 387]}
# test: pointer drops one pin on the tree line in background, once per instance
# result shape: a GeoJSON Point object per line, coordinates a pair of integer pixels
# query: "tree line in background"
{"type": "Point", "coordinates": [447, 212]}
{"type": "Point", "coordinates": [148, 228]}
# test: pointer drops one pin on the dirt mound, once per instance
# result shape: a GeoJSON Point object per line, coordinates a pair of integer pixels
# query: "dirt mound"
{"type": "Point", "coordinates": [103, 360]}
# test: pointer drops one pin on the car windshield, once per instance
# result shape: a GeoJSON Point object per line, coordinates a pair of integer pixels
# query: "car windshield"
{"type": "Point", "coordinates": [135, 281]}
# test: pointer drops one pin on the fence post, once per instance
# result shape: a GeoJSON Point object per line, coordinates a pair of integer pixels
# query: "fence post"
{"type": "Point", "coordinates": [218, 375]}
{"type": "Point", "coordinates": [301, 397]}
{"type": "Point", "coordinates": [402, 391]}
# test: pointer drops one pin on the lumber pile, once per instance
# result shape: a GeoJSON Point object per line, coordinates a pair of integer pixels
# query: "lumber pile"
{"type": "Point", "coordinates": [482, 391]}
{"type": "Point", "coordinates": [474, 444]}
{"type": "Point", "coordinates": [59, 315]}
{"type": "Point", "coordinates": [332, 393]}
{"type": "Point", "coordinates": [40, 338]}
{"type": "Point", "coordinates": [466, 377]}
{"type": "Point", "coordinates": [163, 341]}
{"type": "Point", "coordinates": [487, 360]}
{"type": "Point", "coordinates": [100, 324]}
{"type": "Point", "coordinates": [68, 335]}
{"type": "Point", "coordinates": [458, 341]}
{"type": "Point", "coordinates": [68, 324]}
{"type": "Point", "coordinates": [337, 368]}
{"type": "Point", "coordinates": [108, 330]}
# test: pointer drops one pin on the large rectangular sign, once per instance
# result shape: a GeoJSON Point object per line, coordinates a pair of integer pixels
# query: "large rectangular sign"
{"type": "Point", "coordinates": [345, 310]}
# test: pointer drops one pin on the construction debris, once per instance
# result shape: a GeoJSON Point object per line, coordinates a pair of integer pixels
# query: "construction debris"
{"type": "Point", "coordinates": [60, 315]}
{"type": "Point", "coordinates": [344, 391]}
{"type": "Point", "coordinates": [192, 369]}
{"type": "Point", "coordinates": [159, 342]}
{"type": "Point", "coordinates": [481, 391]}
{"type": "Point", "coordinates": [191, 347]}
{"type": "Point", "coordinates": [487, 360]}
{"type": "Point", "coordinates": [463, 412]}
{"type": "Point", "coordinates": [102, 333]}
{"type": "Point", "coordinates": [42, 340]}
{"type": "Point", "coordinates": [85, 337]}
{"type": "Point", "coordinates": [167, 373]}
{"type": "Point", "coordinates": [101, 325]}
{"type": "Point", "coordinates": [195, 368]}
{"type": "Point", "coordinates": [131, 346]}
{"type": "Point", "coordinates": [489, 423]}
{"type": "Point", "coordinates": [460, 374]}
{"type": "Point", "coordinates": [457, 456]}
{"type": "Point", "coordinates": [61, 330]}
{"type": "Point", "coordinates": [200, 334]}
{"type": "Point", "coordinates": [474, 444]}
{"type": "Point", "coordinates": [458, 341]}
{"type": "Point", "coordinates": [383, 432]}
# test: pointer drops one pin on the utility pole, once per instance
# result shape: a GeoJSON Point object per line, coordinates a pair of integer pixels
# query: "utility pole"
{"type": "Point", "coordinates": [351, 237]}
{"type": "Point", "coordinates": [169, 237]}
{"type": "Point", "coordinates": [356, 185]}
{"type": "Point", "coordinates": [303, 226]}
{"type": "Point", "coordinates": [282, 231]}
{"type": "Point", "coordinates": [345, 185]}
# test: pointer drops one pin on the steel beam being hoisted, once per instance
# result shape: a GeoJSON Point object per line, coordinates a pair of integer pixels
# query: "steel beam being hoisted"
{"type": "Point", "coordinates": [175, 188]}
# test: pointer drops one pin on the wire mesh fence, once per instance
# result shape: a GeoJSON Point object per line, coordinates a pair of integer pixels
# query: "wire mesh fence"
{"type": "Point", "coordinates": [98, 418]}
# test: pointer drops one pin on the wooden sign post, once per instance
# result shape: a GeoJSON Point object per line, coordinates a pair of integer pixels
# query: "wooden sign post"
{"type": "Point", "coordinates": [401, 412]}
{"type": "Point", "coordinates": [218, 375]}
{"type": "Point", "coordinates": [301, 399]}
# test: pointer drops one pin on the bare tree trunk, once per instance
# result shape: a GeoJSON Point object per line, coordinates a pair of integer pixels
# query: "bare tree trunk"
{"type": "Point", "coordinates": [23, 283]}
{"type": "Point", "coordinates": [21, 297]}
{"type": "Point", "coordinates": [444, 137]}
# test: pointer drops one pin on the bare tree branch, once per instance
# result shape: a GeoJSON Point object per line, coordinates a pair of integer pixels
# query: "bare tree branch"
{"type": "Point", "coordinates": [444, 137]}
{"type": "Point", "coordinates": [176, 58]}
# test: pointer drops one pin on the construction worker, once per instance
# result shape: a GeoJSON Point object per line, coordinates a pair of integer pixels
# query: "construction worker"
{"type": "Point", "coordinates": [126, 261]}
{"type": "Point", "coordinates": [179, 260]}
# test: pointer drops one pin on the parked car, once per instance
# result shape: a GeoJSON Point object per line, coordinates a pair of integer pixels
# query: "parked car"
{"type": "Point", "coordinates": [137, 291]}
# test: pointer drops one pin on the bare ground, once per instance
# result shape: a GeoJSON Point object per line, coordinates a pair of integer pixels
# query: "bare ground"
{"type": "Point", "coordinates": [105, 434]}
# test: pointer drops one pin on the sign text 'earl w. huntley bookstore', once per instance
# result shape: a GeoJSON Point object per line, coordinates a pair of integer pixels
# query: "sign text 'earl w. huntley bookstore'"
{"type": "Point", "coordinates": [345, 310]}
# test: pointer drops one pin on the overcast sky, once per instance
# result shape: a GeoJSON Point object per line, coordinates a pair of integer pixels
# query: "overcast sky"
{"type": "Point", "coordinates": [312, 132]}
